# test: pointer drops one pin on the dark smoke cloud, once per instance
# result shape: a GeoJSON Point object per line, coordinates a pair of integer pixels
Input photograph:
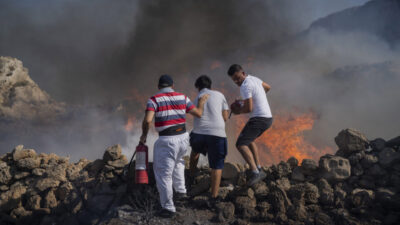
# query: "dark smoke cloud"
{"type": "Point", "coordinates": [96, 52]}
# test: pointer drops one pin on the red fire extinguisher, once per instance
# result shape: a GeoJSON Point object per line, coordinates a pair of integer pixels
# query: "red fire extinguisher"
{"type": "Point", "coordinates": [142, 163]}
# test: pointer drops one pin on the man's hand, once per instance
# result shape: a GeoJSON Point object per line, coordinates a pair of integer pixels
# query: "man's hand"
{"type": "Point", "coordinates": [148, 117]}
{"type": "Point", "coordinates": [236, 106]}
{"type": "Point", "coordinates": [198, 111]}
{"type": "Point", "coordinates": [203, 99]}
{"type": "Point", "coordinates": [266, 87]}
{"type": "Point", "coordinates": [143, 139]}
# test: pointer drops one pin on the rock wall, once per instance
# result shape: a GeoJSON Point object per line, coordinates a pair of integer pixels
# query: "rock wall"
{"type": "Point", "coordinates": [360, 184]}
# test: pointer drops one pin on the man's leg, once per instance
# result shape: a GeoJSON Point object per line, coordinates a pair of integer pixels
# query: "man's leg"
{"type": "Point", "coordinates": [254, 150]}
{"type": "Point", "coordinates": [163, 167]}
{"type": "Point", "coordinates": [248, 156]}
{"type": "Point", "coordinates": [178, 176]}
{"type": "Point", "coordinates": [215, 182]}
{"type": "Point", "coordinates": [194, 159]}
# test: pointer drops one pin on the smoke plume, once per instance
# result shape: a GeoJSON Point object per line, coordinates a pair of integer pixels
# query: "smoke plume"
{"type": "Point", "coordinates": [103, 60]}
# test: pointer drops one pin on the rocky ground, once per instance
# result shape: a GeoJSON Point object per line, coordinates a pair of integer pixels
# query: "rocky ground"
{"type": "Point", "coordinates": [360, 184]}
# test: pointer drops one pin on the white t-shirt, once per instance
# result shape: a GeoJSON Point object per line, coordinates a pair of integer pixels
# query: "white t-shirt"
{"type": "Point", "coordinates": [211, 122]}
{"type": "Point", "coordinates": [252, 88]}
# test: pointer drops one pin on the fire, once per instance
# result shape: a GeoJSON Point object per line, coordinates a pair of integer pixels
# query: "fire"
{"type": "Point", "coordinates": [129, 123]}
{"type": "Point", "coordinates": [286, 138]}
{"type": "Point", "coordinates": [215, 65]}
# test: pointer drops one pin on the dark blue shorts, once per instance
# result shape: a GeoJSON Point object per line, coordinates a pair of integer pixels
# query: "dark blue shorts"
{"type": "Point", "coordinates": [215, 147]}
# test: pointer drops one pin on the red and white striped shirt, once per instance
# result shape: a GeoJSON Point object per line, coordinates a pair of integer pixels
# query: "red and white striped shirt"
{"type": "Point", "coordinates": [170, 108]}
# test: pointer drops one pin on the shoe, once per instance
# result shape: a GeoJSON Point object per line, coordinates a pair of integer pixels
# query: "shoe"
{"type": "Point", "coordinates": [180, 196]}
{"type": "Point", "coordinates": [214, 201]}
{"type": "Point", "coordinates": [165, 213]}
{"type": "Point", "coordinates": [256, 177]}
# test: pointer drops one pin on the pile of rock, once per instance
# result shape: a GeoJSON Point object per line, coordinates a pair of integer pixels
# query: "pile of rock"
{"type": "Point", "coordinates": [43, 189]}
{"type": "Point", "coordinates": [360, 184]}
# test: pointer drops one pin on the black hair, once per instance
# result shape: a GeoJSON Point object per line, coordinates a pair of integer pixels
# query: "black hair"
{"type": "Point", "coordinates": [233, 69]}
{"type": "Point", "coordinates": [203, 82]}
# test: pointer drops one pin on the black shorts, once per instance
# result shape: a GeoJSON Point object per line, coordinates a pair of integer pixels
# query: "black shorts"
{"type": "Point", "coordinates": [253, 129]}
{"type": "Point", "coordinates": [214, 147]}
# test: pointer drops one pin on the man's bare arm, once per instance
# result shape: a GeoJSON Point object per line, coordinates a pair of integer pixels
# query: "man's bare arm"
{"type": "Point", "coordinates": [225, 114]}
{"type": "Point", "coordinates": [266, 87]}
{"type": "Point", "coordinates": [247, 106]}
{"type": "Point", "coordinates": [198, 111]}
{"type": "Point", "coordinates": [148, 117]}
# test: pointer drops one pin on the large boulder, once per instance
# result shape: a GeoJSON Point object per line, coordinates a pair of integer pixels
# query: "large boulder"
{"type": "Point", "coordinates": [293, 162]}
{"type": "Point", "coordinates": [279, 200]}
{"type": "Point", "coordinates": [57, 172]}
{"type": "Point", "coordinates": [306, 192]}
{"type": "Point", "coordinates": [28, 163]}
{"type": "Point", "coordinates": [297, 212]}
{"type": "Point", "coordinates": [327, 196]}
{"type": "Point", "coordinates": [334, 168]}
{"type": "Point", "coordinates": [230, 171]}
{"type": "Point", "coordinates": [112, 153]}
{"type": "Point", "coordinates": [387, 156]}
{"type": "Point", "coordinates": [362, 198]}
{"type": "Point", "coordinates": [46, 183]}
{"type": "Point", "coordinates": [119, 163]}
{"type": "Point", "coordinates": [394, 142]}
{"type": "Point", "coordinates": [357, 170]}
{"type": "Point", "coordinates": [297, 174]}
{"type": "Point", "coordinates": [49, 200]}
{"type": "Point", "coordinates": [351, 140]}
{"type": "Point", "coordinates": [20, 153]}
{"type": "Point", "coordinates": [225, 210]}
{"type": "Point", "coordinates": [245, 202]}
{"type": "Point", "coordinates": [202, 185]}
{"type": "Point", "coordinates": [368, 161]}
{"type": "Point", "coordinates": [376, 171]}
{"type": "Point", "coordinates": [323, 219]}
{"type": "Point", "coordinates": [260, 189]}
{"type": "Point", "coordinates": [308, 167]}
{"type": "Point", "coordinates": [33, 202]}
{"type": "Point", "coordinates": [378, 144]}
{"type": "Point", "coordinates": [5, 175]}
{"type": "Point", "coordinates": [12, 198]}
{"type": "Point", "coordinates": [283, 169]}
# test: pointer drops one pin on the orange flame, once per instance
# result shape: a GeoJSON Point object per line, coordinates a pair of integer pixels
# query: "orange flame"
{"type": "Point", "coordinates": [215, 65]}
{"type": "Point", "coordinates": [129, 123]}
{"type": "Point", "coordinates": [286, 139]}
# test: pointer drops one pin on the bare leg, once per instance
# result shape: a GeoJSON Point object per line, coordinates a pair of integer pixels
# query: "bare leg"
{"type": "Point", "coordinates": [254, 150]}
{"type": "Point", "coordinates": [194, 159]}
{"type": "Point", "coordinates": [248, 156]}
{"type": "Point", "coordinates": [215, 181]}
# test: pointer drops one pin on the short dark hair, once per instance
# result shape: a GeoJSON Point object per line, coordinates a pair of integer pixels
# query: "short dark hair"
{"type": "Point", "coordinates": [203, 82]}
{"type": "Point", "coordinates": [233, 69]}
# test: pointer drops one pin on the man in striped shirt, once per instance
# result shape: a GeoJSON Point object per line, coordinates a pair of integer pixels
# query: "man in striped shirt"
{"type": "Point", "coordinates": [169, 109]}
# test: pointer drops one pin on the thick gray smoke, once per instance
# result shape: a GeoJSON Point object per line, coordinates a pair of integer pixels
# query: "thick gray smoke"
{"type": "Point", "coordinates": [99, 53]}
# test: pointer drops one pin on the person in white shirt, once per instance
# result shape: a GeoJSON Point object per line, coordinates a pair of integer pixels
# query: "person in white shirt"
{"type": "Point", "coordinates": [208, 136]}
{"type": "Point", "coordinates": [253, 91]}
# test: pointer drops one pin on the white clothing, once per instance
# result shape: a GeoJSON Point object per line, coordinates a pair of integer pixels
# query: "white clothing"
{"type": "Point", "coordinates": [169, 167]}
{"type": "Point", "coordinates": [211, 122]}
{"type": "Point", "coordinates": [252, 88]}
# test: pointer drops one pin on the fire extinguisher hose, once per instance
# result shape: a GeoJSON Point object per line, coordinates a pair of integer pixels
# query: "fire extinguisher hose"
{"type": "Point", "coordinates": [126, 169]}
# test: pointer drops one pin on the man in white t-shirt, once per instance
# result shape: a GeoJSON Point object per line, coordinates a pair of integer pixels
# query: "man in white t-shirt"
{"type": "Point", "coordinates": [208, 136]}
{"type": "Point", "coordinates": [253, 91]}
